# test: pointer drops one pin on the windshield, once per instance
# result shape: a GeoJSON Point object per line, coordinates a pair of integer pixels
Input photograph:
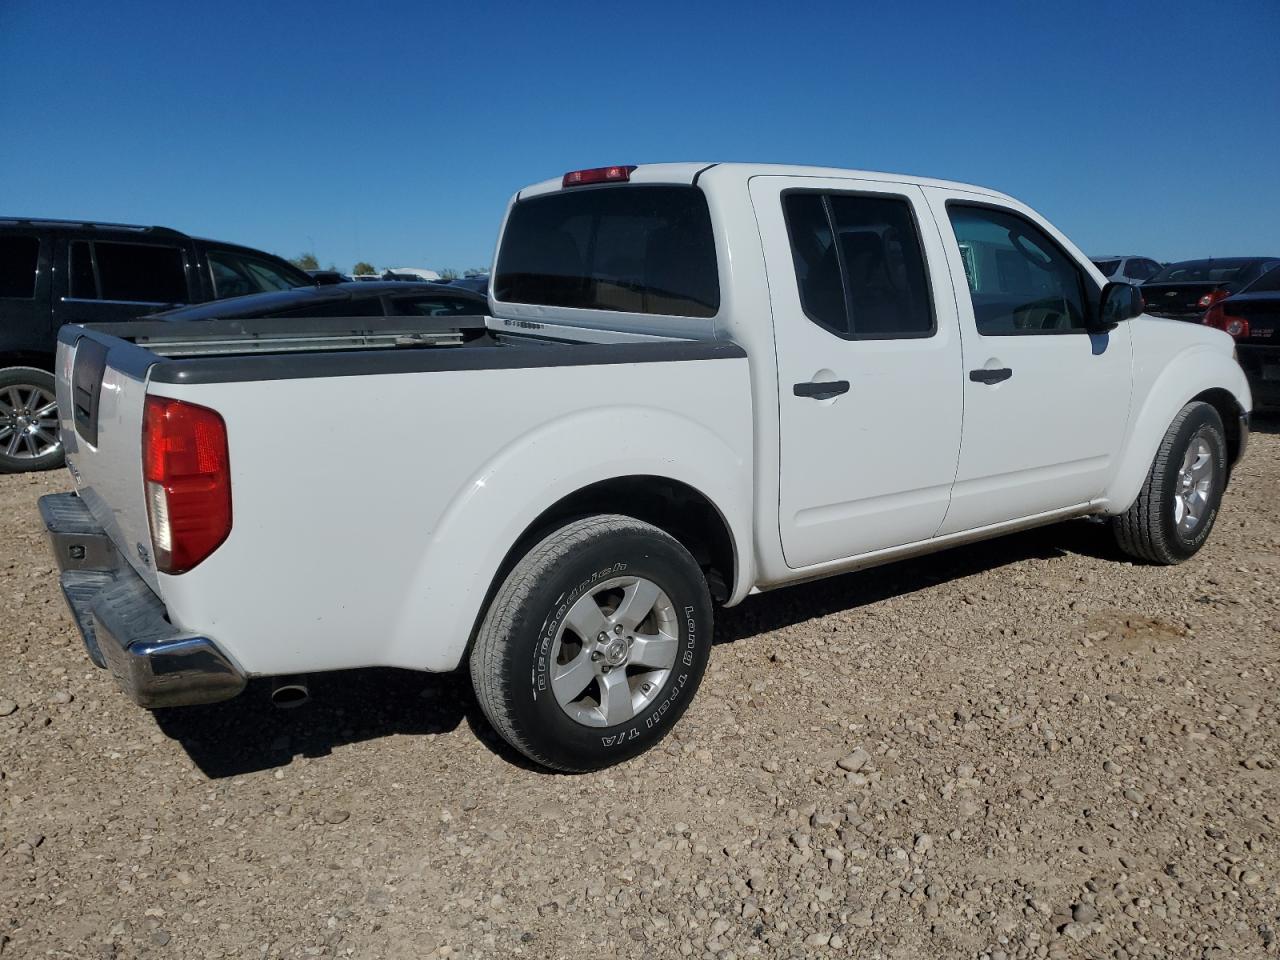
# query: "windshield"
{"type": "Point", "coordinates": [1108, 267]}
{"type": "Point", "coordinates": [1200, 271]}
{"type": "Point", "coordinates": [636, 249]}
{"type": "Point", "coordinates": [237, 274]}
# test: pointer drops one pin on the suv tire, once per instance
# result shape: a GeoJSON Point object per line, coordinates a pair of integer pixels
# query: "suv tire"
{"type": "Point", "coordinates": [29, 438]}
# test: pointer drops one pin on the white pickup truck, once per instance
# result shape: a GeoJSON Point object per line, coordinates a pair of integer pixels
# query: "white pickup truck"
{"type": "Point", "coordinates": [695, 382]}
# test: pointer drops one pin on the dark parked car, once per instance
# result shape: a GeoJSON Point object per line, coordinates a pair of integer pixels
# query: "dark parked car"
{"type": "Point", "coordinates": [382, 298]}
{"type": "Point", "coordinates": [1185, 290]}
{"type": "Point", "coordinates": [54, 272]}
{"type": "Point", "coordinates": [1252, 316]}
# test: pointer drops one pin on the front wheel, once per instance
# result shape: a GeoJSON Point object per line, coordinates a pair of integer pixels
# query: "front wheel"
{"type": "Point", "coordinates": [1171, 519]}
{"type": "Point", "coordinates": [29, 437]}
{"type": "Point", "coordinates": [594, 644]}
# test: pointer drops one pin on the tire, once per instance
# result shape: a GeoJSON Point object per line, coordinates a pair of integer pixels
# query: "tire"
{"type": "Point", "coordinates": [533, 647]}
{"type": "Point", "coordinates": [29, 438]}
{"type": "Point", "coordinates": [1156, 528]}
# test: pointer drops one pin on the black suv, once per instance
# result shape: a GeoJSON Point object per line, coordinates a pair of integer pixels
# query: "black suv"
{"type": "Point", "coordinates": [54, 272]}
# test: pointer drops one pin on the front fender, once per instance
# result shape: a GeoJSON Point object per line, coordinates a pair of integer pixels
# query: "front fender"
{"type": "Point", "coordinates": [1187, 375]}
{"type": "Point", "coordinates": [521, 481]}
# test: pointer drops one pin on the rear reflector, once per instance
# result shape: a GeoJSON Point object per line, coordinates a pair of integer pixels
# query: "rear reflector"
{"type": "Point", "coordinates": [578, 178]}
{"type": "Point", "coordinates": [188, 482]}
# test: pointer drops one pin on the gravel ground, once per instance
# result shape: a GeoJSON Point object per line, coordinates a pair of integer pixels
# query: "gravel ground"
{"type": "Point", "coordinates": [1027, 748]}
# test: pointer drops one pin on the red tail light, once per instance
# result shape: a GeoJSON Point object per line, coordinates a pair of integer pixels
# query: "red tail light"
{"type": "Point", "coordinates": [1218, 317]}
{"type": "Point", "coordinates": [1212, 297]}
{"type": "Point", "coordinates": [577, 178]}
{"type": "Point", "coordinates": [188, 482]}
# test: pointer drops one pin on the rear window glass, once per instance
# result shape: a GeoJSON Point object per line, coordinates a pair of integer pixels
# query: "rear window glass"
{"type": "Point", "coordinates": [436, 307]}
{"type": "Point", "coordinates": [1267, 283]}
{"type": "Point", "coordinates": [140, 273]}
{"type": "Point", "coordinates": [1141, 269]}
{"type": "Point", "coordinates": [361, 307]}
{"type": "Point", "coordinates": [1195, 271]}
{"type": "Point", "coordinates": [18, 259]}
{"type": "Point", "coordinates": [635, 249]}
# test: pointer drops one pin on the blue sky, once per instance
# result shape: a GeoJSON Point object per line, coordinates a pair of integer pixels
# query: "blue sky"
{"type": "Point", "coordinates": [395, 132]}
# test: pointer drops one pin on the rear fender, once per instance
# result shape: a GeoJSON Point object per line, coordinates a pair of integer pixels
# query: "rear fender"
{"type": "Point", "coordinates": [503, 498]}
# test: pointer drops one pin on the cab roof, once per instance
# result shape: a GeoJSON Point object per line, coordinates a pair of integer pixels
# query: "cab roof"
{"type": "Point", "coordinates": [687, 173]}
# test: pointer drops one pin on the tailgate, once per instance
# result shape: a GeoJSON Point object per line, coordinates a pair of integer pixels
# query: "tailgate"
{"type": "Point", "coordinates": [102, 385]}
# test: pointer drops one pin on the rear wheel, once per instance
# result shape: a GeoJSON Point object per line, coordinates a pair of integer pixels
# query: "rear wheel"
{"type": "Point", "coordinates": [594, 644]}
{"type": "Point", "coordinates": [29, 438]}
{"type": "Point", "coordinates": [1176, 509]}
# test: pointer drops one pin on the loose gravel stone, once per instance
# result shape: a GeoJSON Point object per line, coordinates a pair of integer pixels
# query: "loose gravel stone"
{"type": "Point", "coordinates": [854, 761]}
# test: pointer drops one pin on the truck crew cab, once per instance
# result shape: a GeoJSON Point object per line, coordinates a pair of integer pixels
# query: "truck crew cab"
{"type": "Point", "coordinates": [694, 382]}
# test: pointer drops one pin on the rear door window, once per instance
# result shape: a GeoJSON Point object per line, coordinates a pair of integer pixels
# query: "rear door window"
{"type": "Point", "coordinates": [127, 272]}
{"type": "Point", "coordinates": [19, 258]}
{"type": "Point", "coordinates": [636, 249]}
{"type": "Point", "coordinates": [859, 265]}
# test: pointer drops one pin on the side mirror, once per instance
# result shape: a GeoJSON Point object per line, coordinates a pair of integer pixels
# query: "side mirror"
{"type": "Point", "coordinates": [1120, 302]}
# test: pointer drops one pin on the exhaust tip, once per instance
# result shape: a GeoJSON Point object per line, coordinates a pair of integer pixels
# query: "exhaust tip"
{"type": "Point", "coordinates": [289, 694]}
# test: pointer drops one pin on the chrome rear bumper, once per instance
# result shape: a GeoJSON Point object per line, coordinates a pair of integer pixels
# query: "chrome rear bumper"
{"type": "Point", "coordinates": [124, 624]}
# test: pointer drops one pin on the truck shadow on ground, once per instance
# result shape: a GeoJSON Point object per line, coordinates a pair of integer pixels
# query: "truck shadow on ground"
{"type": "Point", "coordinates": [248, 734]}
{"type": "Point", "coordinates": [790, 605]}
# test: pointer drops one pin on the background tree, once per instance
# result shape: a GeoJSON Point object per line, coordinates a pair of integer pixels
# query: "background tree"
{"type": "Point", "coordinates": [305, 261]}
{"type": "Point", "coordinates": [476, 272]}
{"type": "Point", "coordinates": [362, 268]}
{"type": "Point", "coordinates": [448, 273]}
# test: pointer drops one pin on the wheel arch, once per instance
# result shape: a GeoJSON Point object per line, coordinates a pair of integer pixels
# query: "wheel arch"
{"type": "Point", "coordinates": [1231, 411]}
{"type": "Point", "coordinates": [702, 497]}
{"type": "Point", "coordinates": [677, 508]}
{"type": "Point", "coordinates": [1199, 374]}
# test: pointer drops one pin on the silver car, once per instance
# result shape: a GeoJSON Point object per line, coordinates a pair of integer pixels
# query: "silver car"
{"type": "Point", "coordinates": [1128, 269]}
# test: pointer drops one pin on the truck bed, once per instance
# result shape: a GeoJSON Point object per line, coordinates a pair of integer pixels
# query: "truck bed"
{"type": "Point", "coordinates": [231, 351]}
{"type": "Point", "coordinates": [363, 452]}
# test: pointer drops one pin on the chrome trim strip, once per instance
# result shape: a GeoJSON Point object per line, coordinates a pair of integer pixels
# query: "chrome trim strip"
{"type": "Point", "coordinates": [127, 303]}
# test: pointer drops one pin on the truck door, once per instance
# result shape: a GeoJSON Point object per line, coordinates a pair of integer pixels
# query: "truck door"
{"type": "Point", "coordinates": [869, 368]}
{"type": "Point", "coordinates": [1046, 402]}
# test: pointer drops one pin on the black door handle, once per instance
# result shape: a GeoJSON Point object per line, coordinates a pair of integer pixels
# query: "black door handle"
{"type": "Point", "coordinates": [990, 376]}
{"type": "Point", "coordinates": [822, 390]}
